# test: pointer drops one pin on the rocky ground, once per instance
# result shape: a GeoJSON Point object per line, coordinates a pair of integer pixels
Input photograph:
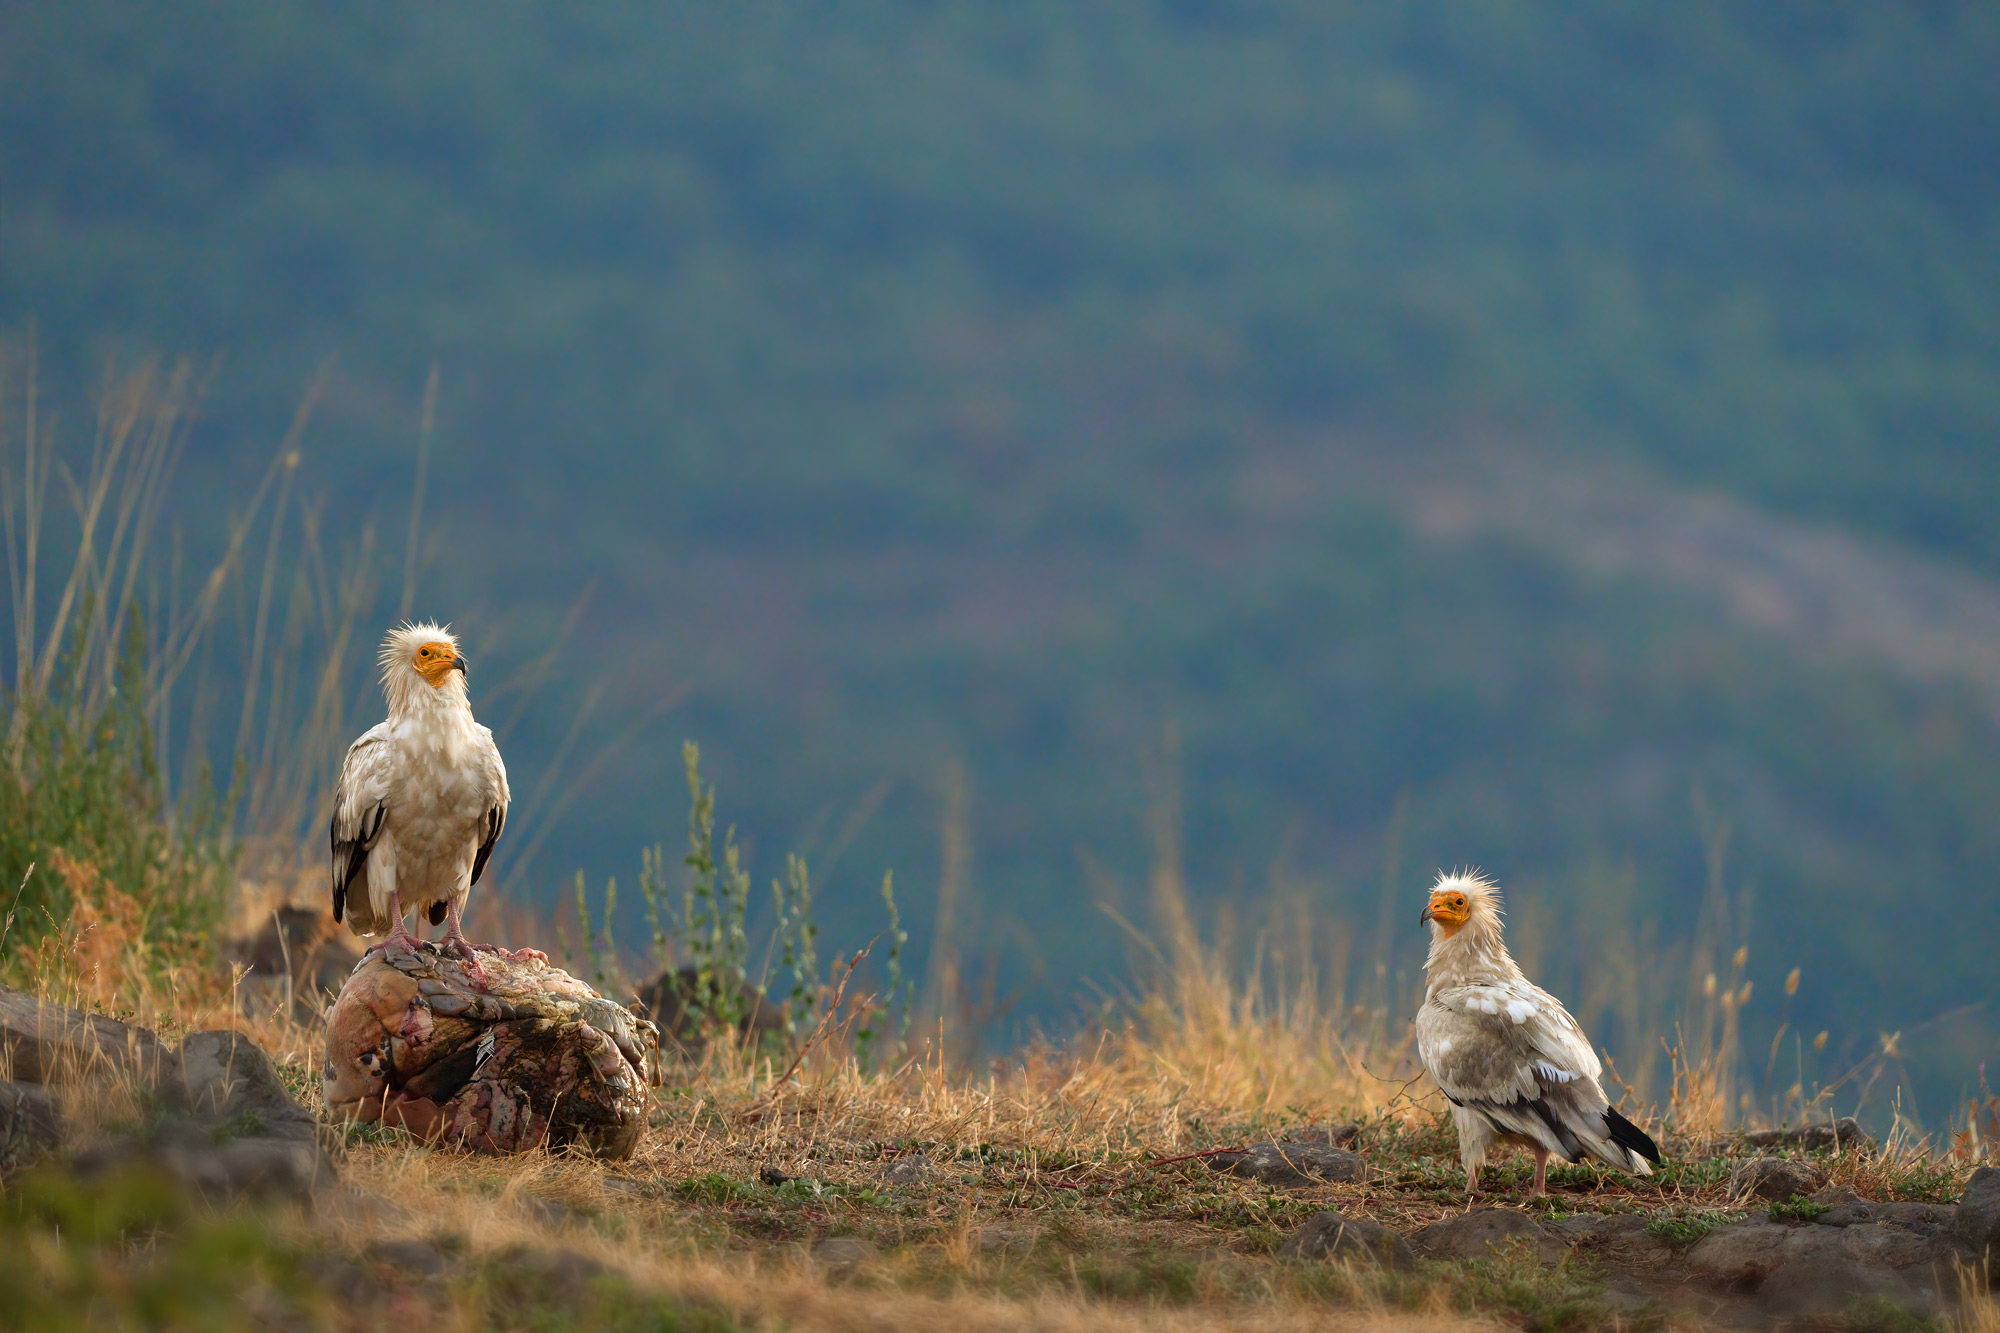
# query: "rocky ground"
{"type": "Point", "coordinates": [198, 1186]}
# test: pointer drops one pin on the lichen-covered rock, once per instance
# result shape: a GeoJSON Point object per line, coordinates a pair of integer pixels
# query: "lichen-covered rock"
{"type": "Point", "coordinates": [532, 1057]}
{"type": "Point", "coordinates": [1335, 1235]}
{"type": "Point", "coordinates": [1485, 1232]}
{"type": "Point", "coordinates": [1292, 1165]}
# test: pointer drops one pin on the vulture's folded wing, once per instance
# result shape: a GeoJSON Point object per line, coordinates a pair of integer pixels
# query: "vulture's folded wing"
{"type": "Point", "coordinates": [494, 823]}
{"type": "Point", "coordinates": [360, 804]}
{"type": "Point", "coordinates": [1512, 1053]}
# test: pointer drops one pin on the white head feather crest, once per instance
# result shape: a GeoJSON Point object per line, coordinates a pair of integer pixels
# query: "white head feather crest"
{"type": "Point", "coordinates": [400, 678]}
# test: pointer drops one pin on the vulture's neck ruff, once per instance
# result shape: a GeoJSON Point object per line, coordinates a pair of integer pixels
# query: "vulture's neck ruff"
{"type": "Point", "coordinates": [427, 699]}
{"type": "Point", "coordinates": [1466, 947]}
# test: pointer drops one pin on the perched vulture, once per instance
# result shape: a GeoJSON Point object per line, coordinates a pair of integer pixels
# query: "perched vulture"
{"type": "Point", "coordinates": [1515, 1066]}
{"type": "Point", "coordinates": [422, 799]}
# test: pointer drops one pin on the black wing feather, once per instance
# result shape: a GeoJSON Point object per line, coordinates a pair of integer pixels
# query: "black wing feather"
{"type": "Point", "coordinates": [1572, 1147]}
{"type": "Point", "coordinates": [496, 820]}
{"type": "Point", "coordinates": [349, 857]}
{"type": "Point", "coordinates": [1630, 1137]}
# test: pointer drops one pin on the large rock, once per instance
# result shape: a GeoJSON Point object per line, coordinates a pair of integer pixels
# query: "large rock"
{"type": "Point", "coordinates": [30, 1124]}
{"type": "Point", "coordinates": [223, 1123]}
{"type": "Point", "coordinates": [226, 1127]}
{"type": "Point", "coordinates": [531, 1057]}
{"type": "Point", "coordinates": [45, 1042]}
{"type": "Point", "coordinates": [1622, 1240]}
{"type": "Point", "coordinates": [1818, 1270]}
{"type": "Point", "coordinates": [244, 1135]}
{"type": "Point", "coordinates": [1334, 1235]}
{"type": "Point", "coordinates": [1292, 1165]}
{"type": "Point", "coordinates": [1976, 1221]}
{"type": "Point", "coordinates": [1486, 1232]}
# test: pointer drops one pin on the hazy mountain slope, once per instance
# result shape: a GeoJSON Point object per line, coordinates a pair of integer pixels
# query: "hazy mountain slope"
{"type": "Point", "coordinates": [924, 387]}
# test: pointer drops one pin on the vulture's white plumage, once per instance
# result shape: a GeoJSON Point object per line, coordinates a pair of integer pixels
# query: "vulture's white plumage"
{"type": "Point", "coordinates": [1514, 1064]}
{"type": "Point", "coordinates": [422, 798]}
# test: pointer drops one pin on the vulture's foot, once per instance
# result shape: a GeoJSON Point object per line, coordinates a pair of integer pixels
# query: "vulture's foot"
{"type": "Point", "coordinates": [397, 941]}
{"type": "Point", "coordinates": [467, 950]}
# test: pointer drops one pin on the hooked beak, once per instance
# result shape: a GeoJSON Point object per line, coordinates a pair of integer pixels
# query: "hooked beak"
{"type": "Point", "coordinates": [458, 664]}
{"type": "Point", "coordinates": [1426, 916]}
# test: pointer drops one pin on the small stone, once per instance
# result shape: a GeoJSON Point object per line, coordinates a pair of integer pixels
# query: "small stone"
{"type": "Point", "coordinates": [222, 1076]}
{"type": "Point", "coordinates": [1483, 1232]}
{"type": "Point", "coordinates": [1824, 1271]}
{"type": "Point", "coordinates": [1292, 1165]}
{"type": "Point", "coordinates": [1821, 1270]}
{"type": "Point", "coordinates": [1832, 1196]}
{"type": "Point", "coordinates": [1334, 1235]}
{"type": "Point", "coordinates": [299, 943]}
{"type": "Point", "coordinates": [843, 1256]}
{"type": "Point", "coordinates": [1774, 1178]}
{"type": "Point", "coordinates": [911, 1169]}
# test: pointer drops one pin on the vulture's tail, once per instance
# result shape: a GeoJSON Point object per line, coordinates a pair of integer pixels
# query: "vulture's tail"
{"type": "Point", "coordinates": [1630, 1137]}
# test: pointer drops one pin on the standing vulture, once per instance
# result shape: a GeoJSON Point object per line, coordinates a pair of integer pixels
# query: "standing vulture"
{"type": "Point", "coordinates": [422, 799]}
{"type": "Point", "coordinates": [1515, 1066]}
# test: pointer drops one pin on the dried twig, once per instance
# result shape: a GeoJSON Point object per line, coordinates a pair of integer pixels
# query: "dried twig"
{"type": "Point", "coordinates": [1194, 1156]}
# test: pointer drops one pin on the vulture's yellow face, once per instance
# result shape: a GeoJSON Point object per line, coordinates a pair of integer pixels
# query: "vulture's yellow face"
{"type": "Point", "coordinates": [1450, 908]}
{"type": "Point", "coordinates": [436, 661]}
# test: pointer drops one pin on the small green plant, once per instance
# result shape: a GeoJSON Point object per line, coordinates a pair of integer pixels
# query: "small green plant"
{"type": "Point", "coordinates": [713, 911]}
{"type": "Point", "coordinates": [599, 945]}
{"type": "Point", "coordinates": [1798, 1208]}
{"type": "Point", "coordinates": [888, 1018]}
{"type": "Point", "coordinates": [1685, 1230]}
{"type": "Point", "coordinates": [797, 937]}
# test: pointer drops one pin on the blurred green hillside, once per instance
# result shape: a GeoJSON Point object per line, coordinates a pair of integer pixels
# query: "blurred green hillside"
{"type": "Point", "coordinates": [1106, 402]}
